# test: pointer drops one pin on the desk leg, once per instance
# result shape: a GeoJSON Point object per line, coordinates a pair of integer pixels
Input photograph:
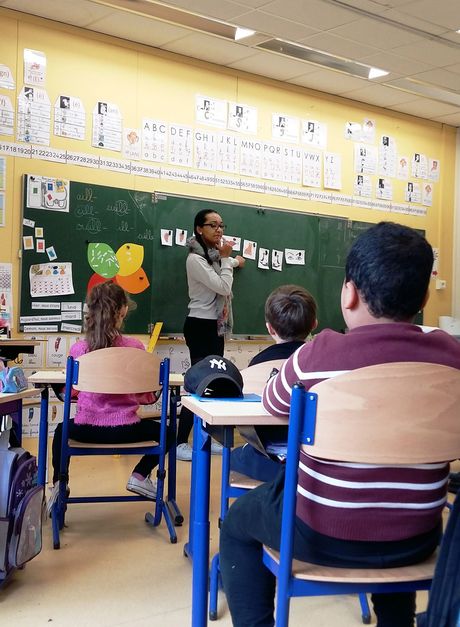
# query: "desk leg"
{"type": "Point", "coordinates": [199, 522]}
{"type": "Point", "coordinates": [174, 510]}
{"type": "Point", "coordinates": [43, 436]}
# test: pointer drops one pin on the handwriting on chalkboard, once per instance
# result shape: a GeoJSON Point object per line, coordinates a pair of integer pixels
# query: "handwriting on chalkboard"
{"type": "Point", "coordinates": [119, 208]}
{"type": "Point", "coordinates": [87, 195]}
{"type": "Point", "coordinates": [124, 227]}
{"type": "Point", "coordinates": [147, 234]}
{"type": "Point", "coordinates": [85, 210]}
{"type": "Point", "coordinates": [93, 226]}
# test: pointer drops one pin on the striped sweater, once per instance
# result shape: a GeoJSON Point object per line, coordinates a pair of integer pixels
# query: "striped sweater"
{"type": "Point", "coordinates": [359, 501]}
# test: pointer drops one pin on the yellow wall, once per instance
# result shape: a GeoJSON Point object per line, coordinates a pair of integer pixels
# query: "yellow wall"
{"type": "Point", "coordinates": [147, 82]}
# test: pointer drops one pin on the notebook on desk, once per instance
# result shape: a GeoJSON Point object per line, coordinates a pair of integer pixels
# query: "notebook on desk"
{"type": "Point", "coordinates": [246, 398]}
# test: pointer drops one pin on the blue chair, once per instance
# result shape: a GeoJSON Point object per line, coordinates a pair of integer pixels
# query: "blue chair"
{"type": "Point", "coordinates": [113, 371]}
{"type": "Point", "coordinates": [396, 414]}
{"type": "Point", "coordinates": [234, 484]}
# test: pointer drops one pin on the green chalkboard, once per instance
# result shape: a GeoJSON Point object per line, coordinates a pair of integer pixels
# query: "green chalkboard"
{"type": "Point", "coordinates": [119, 218]}
{"type": "Point", "coordinates": [325, 241]}
{"type": "Point", "coordinates": [97, 214]}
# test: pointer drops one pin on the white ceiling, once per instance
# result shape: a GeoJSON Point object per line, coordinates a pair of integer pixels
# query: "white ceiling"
{"type": "Point", "coordinates": [415, 40]}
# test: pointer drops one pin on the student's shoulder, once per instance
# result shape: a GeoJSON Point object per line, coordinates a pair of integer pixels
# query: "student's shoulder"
{"type": "Point", "coordinates": [129, 342]}
{"type": "Point", "coordinates": [79, 348]}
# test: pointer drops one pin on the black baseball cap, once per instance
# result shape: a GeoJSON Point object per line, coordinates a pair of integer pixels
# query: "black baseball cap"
{"type": "Point", "coordinates": [215, 377]}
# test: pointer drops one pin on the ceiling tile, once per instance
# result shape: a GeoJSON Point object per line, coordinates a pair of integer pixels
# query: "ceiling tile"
{"type": "Point", "coordinates": [415, 21]}
{"type": "Point", "coordinates": [222, 10]}
{"type": "Point", "coordinates": [425, 108]}
{"type": "Point", "coordinates": [273, 65]}
{"type": "Point", "coordinates": [208, 48]}
{"type": "Point", "coordinates": [397, 64]}
{"type": "Point", "coordinates": [327, 42]}
{"type": "Point", "coordinates": [78, 13]}
{"type": "Point", "coordinates": [453, 119]}
{"type": "Point", "coordinates": [453, 68]}
{"type": "Point", "coordinates": [138, 28]}
{"type": "Point", "coordinates": [374, 33]}
{"type": "Point", "coordinates": [275, 26]}
{"type": "Point", "coordinates": [380, 95]}
{"type": "Point", "coordinates": [255, 4]}
{"type": "Point", "coordinates": [329, 81]}
{"type": "Point", "coordinates": [430, 52]}
{"type": "Point", "coordinates": [445, 13]}
{"type": "Point", "coordinates": [314, 13]}
{"type": "Point", "coordinates": [439, 77]}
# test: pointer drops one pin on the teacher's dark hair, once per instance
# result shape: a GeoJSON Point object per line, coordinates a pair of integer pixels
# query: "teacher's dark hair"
{"type": "Point", "coordinates": [200, 220]}
{"type": "Point", "coordinates": [390, 265]}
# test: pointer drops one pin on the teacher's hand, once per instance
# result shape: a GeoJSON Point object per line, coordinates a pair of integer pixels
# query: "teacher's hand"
{"type": "Point", "coordinates": [241, 261]}
{"type": "Point", "coordinates": [225, 248]}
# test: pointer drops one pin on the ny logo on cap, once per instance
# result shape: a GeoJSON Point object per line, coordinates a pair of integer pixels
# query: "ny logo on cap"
{"type": "Point", "coordinates": [220, 363]}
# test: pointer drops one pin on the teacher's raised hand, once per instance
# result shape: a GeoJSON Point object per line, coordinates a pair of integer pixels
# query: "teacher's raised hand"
{"type": "Point", "coordinates": [225, 248]}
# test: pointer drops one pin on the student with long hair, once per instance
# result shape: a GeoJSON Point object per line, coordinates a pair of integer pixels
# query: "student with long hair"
{"type": "Point", "coordinates": [109, 418]}
{"type": "Point", "coordinates": [210, 278]}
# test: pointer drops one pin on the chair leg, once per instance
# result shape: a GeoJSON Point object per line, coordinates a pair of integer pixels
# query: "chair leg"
{"type": "Point", "coordinates": [214, 576]}
{"type": "Point", "coordinates": [55, 526]}
{"type": "Point", "coordinates": [161, 509]}
{"type": "Point", "coordinates": [365, 611]}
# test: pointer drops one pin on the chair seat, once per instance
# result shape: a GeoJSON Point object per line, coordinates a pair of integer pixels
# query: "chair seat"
{"type": "Point", "coordinates": [77, 444]}
{"type": "Point", "coordinates": [313, 572]}
{"type": "Point", "coordinates": [238, 480]}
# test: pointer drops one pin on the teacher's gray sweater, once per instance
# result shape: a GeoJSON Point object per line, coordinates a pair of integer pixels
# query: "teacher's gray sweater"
{"type": "Point", "coordinates": [207, 283]}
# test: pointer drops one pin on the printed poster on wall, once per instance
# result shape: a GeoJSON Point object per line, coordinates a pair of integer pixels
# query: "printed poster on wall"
{"type": "Point", "coordinates": [154, 139]}
{"type": "Point", "coordinates": [69, 117]}
{"type": "Point", "coordinates": [34, 116]}
{"type": "Point", "coordinates": [48, 279]}
{"type": "Point", "coordinates": [211, 111]}
{"type": "Point", "coordinates": [314, 133]}
{"type": "Point", "coordinates": [47, 193]}
{"type": "Point", "coordinates": [34, 67]}
{"type": "Point", "coordinates": [6, 77]}
{"type": "Point", "coordinates": [285, 127]}
{"type": "Point", "coordinates": [6, 116]}
{"type": "Point", "coordinates": [242, 118]}
{"type": "Point", "coordinates": [107, 126]}
{"type": "Point", "coordinates": [132, 143]}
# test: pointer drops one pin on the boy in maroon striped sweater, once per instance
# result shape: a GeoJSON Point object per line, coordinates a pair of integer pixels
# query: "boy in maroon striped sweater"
{"type": "Point", "coordinates": [349, 515]}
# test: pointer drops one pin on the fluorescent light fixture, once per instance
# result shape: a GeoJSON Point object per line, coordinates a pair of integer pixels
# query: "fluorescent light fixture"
{"type": "Point", "coordinates": [322, 59]}
{"type": "Point", "coordinates": [420, 88]}
{"type": "Point", "coordinates": [374, 72]}
{"type": "Point", "coordinates": [242, 33]}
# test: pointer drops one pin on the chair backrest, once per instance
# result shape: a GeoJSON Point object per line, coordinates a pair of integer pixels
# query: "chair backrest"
{"type": "Point", "coordinates": [255, 377]}
{"type": "Point", "coordinates": [118, 370]}
{"type": "Point", "coordinates": [395, 413]}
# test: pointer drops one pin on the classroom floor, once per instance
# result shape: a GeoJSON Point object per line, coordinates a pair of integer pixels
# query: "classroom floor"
{"type": "Point", "coordinates": [115, 570]}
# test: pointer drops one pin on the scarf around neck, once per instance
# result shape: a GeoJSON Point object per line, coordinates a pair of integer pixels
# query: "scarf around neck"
{"type": "Point", "coordinates": [223, 303]}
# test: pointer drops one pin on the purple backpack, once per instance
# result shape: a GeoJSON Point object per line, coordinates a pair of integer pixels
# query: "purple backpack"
{"type": "Point", "coordinates": [21, 507]}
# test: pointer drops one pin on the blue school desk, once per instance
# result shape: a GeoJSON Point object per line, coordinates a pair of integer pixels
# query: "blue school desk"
{"type": "Point", "coordinates": [10, 349]}
{"type": "Point", "coordinates": [11, 405]}
{"type": "Point", "coordinates": [47, 379]}
{"type": "Point", "coordinates": [224, 414]}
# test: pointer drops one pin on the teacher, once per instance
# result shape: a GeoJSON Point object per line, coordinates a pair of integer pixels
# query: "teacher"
{"type": "Point", "coordinates": [209, 322]}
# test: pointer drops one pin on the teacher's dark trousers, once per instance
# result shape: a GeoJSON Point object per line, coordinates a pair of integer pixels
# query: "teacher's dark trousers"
{"type": "Point", "coordinates": [202, 340]}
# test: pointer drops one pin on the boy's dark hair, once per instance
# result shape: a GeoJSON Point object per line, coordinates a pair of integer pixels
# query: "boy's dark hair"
{"type": "Point", "coordinates": [291, 311]}
{"type": "Point", "coordinates": [390, 265]}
